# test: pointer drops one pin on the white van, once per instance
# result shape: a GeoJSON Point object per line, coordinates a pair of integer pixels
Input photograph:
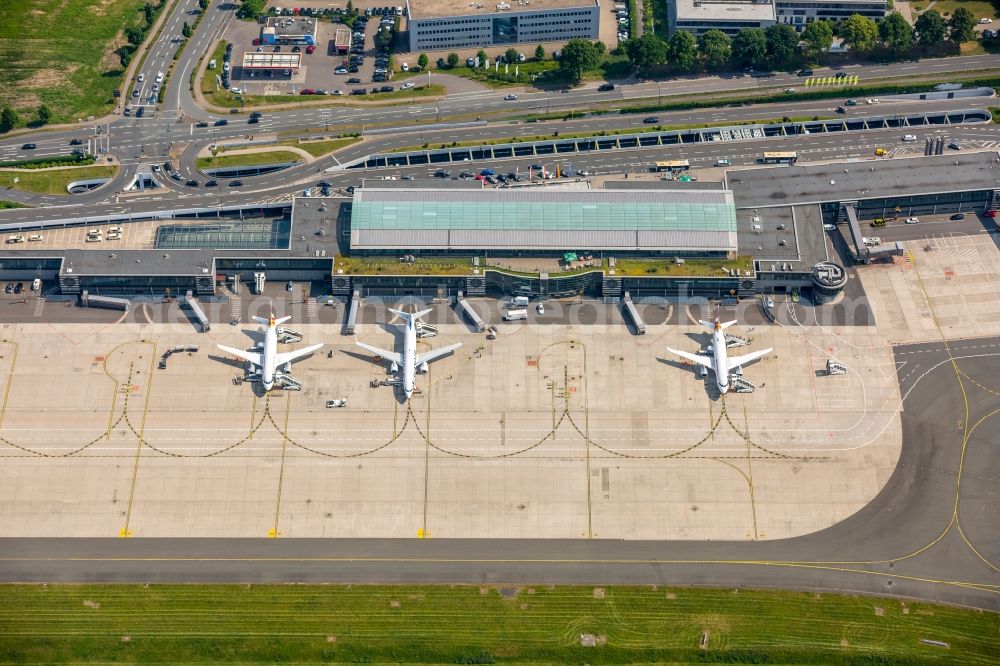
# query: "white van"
{"type": "Point", "coordinates": [910, 137]}
{"type": "Point", "coordinates": [515, 315]}
{"type": "Point", "coordinates": [36, 285]}
{"type": "Point", "coordinates": [872, 241]}
{"type": "Point", "coordinates": [18, 238]}
{"type": "Point", "coordinates": [519, 302]}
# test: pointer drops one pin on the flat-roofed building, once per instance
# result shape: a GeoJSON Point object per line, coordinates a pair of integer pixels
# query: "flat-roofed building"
{"type": "Point", "coordinates": [299, 30]}
{"type": "Point", "coordinates": [543, 221]}
{"type": "Point", "coordinates": [729, 16]}
{"type": "Point", "coordinates": [442, 24]}
{"type": "Point", "coordinates": [798, 13]}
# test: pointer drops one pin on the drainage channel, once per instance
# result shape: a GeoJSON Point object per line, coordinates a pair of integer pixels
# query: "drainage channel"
{"type": "Point", "coordinates": [733, 133]}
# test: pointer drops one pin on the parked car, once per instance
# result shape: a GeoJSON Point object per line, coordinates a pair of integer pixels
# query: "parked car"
{"type": "Point", "coordinates": [354, 80]}
{"type": "Point", "coordinates": [955, 146]}
{"type": "Point", "coordinates": [406, 86]}
{"type": "Point", "coordinates": [236, 183]}
{"type": "Point", "coordinates": [307, 91]}
{"type": "Point", "coordinates": [912, 220]}
{"type": "Point", "coordinates": [958, 216]}
{"type": "Point", "coordinates": [340, 70]}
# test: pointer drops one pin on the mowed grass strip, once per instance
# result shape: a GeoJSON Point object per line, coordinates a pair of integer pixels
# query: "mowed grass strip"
{"type": "Point", "coordinates": [60, 53]}
{"type": "Point", "coordinates": [249, 159]}
{"type": "Point", "coordinates": [52, 181]}
{"type": "Point", "coordinates": [465, 624]}
{"type": "Point", "coordinates": [321, 148]}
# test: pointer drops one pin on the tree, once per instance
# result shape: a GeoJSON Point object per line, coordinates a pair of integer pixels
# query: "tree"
{"type": "Point", "coordinates": [860, 33]}
{"type": "Point", "coordinates": [511, 55]}
{"type": "Point", "coordinates": [646, 51]}
{"type": "Point", "coordinates": [8, 119]}
{"type": "Point", "coordinates": [250, 9]}
{"type": "Point", "coordinates": [483, 58]}
{"type": "Point", "coordinates": [782, 45]}
{"type": "Point", "coordinates": [750, 47]}
{"type": "Point", "coordinates": [963, 25]}
{"type": "Point", "coordinates": [682, 51]}
{"type": "Point", "coordinates": [203, 4]}
{"type": "Point", "coordinates": [134, 35]}
{"type": "Point", "coordinates": [539, 52]}
{"type": "Point", "coordinates": [422, 60]}
{"type": "Point", "coordinates": [578, 56]}
{"type": "Point", "coordinates": [896, 33]}
{"type": "Point", "coordinates": [931, 28]}
{"type": "Point", "coordinates": [149, 12]}
{"type": "Point", "coordinates": [186, 29]}
{"type": "Point", "coordinates": [716, 49]}
{"type": "Point", "coordinates": [452, 59]}
{"type": "Point", "coordinates": [818, 37]}
{"type": "Point", "coordinates": [44, 115]}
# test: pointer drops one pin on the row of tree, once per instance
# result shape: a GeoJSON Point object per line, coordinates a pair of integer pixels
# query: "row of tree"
{"type": "Point", "coordinates": [780, 46]}
{"type": "Point", "coordinates": [9, 118]}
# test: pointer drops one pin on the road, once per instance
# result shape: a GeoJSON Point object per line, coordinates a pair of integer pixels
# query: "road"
{"type": "Point", "coordinates": [930, 533]}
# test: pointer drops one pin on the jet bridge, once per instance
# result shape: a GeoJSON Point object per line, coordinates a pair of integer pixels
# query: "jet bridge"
{"type": "Point", "coordinates": [633, 315]}
{"type": "Point", "coordinates": [470, 312]}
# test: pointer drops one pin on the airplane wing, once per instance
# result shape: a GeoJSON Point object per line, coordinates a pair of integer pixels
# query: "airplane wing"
{"type": "Point", "coordinates": [706, 361]}
{"type": "Point", "coordinates": [435, 354]}
{"type": "Point", "coordinates": [736, 361]}
{"type": "Point", "coordinates": [253, 357]}
{"type": "Point", "coordinates": [395, 357]}
{"type": "Point", "coordinates": [288, 357]}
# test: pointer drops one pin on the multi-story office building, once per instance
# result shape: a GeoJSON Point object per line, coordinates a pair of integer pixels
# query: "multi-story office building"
{"type": "Point", "coordinates": [731, 16]}
{"type": "Point", "coordinates": [442, 24]}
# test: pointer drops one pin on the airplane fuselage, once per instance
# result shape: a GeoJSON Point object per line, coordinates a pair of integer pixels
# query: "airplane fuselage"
{"type": "Point", "coordinates": [269, 356]}
{"type": "Point", "coordinates": [409, 357]}
{"type": "Point", "coordinates": [721, 359]}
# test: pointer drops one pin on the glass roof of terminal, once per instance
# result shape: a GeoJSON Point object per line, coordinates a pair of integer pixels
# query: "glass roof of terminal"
{"type": "Point", "coordinates": [584, 213]}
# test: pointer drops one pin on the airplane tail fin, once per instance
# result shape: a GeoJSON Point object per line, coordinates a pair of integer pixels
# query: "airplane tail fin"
{"type": "Point", "coordinates": [410, 316]}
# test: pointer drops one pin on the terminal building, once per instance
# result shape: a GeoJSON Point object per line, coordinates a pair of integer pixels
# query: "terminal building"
{"type": "Point", "coordinates": [760, 230]}
{"type": "Point", "coordinates": [731, 16]}
{"type": "Point", "coordinates": [439, 24]}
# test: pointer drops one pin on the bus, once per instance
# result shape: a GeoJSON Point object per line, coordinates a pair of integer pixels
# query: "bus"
{"type": "Point", "coordinates": [673, 165]}
{"type": "Point", "coordinates": [779, 158]}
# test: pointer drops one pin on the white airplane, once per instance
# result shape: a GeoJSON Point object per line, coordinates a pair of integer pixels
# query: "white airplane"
{"type": "Point", "coordinates": [719, 362]}
{"type": "Point", "coordinates": [267, 364]}
{"type": "Point", "coordinates": [410, 361]}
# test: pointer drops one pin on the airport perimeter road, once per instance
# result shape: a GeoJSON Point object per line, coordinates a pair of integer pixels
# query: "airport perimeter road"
{"type": "Point", "coordinates": [931, 533]}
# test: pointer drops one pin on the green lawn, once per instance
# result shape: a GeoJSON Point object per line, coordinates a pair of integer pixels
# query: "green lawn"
{"type": "Point", "coordinates": [471, 624]}
{"type": "Point", "coordinates": [59, 52]}
{"type": "Point", "coordinates": [321, 148]}
{"type": "Point", "coordinates": [226, 99]}
{"type": "Point", "coordinates": [979, 8]}
{"type": "Point", "coordinates": [690, 267]}
{"type": "Point", "coordinates": [248, 159]}
{"type": "Point", "coordinates": [208, 77]}
{"type": "Point", "coordinates": [392, 266]}
{"type": "Point", "coordinates": [4, 204]}
{"type": "Point", "coordinates": [52, 181]}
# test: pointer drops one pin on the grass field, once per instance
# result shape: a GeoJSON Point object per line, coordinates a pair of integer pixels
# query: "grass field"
{"type": "Point", "coordinates": [467, 624]}
{"type": "Point", "coordinates": [248, 159]}
{"type": "Point", "coordinates": [392, 266]}
{"type": "Point", "coordinates": [5, 205]}
{"type": "Point", "coordinates": [60, 52]}
{"type": "Point", "coordinates": [979, 8]}
{"type": "Point", "coordinates": [52, 181]}
{"type": "Point", "coordinates": [228, 100]}
{"type": "Point", "coordinates": [320, 148]}
{"type": "Point", "coordinates": [690, 267]}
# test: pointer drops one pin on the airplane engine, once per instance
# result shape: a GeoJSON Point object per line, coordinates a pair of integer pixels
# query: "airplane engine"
{"type": "Point", "coordinates": [422, 369]}
{"type": "Point", "coordinates": [287, 369]}
{"type": "Point", "coordinates": [394, 368]}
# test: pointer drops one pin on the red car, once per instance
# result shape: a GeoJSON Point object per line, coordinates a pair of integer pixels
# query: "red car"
{"type": "Point", "coordinates": [307, 91]}
{"type": "Point", "coordinates": [310, 49]}
{"type": "Point", "coordinates": [989, 213]}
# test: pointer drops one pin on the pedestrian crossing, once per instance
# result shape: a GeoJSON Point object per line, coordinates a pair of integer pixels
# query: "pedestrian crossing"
{"type": "Point", "coordinates": [956, 247]}
{"type": "Point", "coordinates": [311, 313]}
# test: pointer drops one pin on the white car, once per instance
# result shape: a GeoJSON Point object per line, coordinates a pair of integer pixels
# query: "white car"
{"type": "Point", "coordinates": [540, 308]}
{"type": "Point", "coordinates": [872, 100]}
{"type": "Point", "coordinates": [829, 227]}
{"type": "Point", "coordinates": [985, 21]}
{"type": "Point", "coordinates": [35, 237]}
{"type": "Point", "coordinates": [910, 137]}
{"type": "Point", "coordinates": [510, 98]}
{"type": "Point", "coordinates": [406, 86]}
{"type": "Point", "coordinates": [337, 92]}
{"type": "Point", "coordinates": [912, 220]}
{"type": "Point", "coordinates": [238, 91]}
{"type": "Point", "coordinates": [142, 77]}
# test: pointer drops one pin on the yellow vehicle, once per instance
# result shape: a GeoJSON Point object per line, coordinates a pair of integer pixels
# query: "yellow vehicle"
{"type": "Point", "coordinates": [881, 152]}
{"type": "Point", "coordinates": [878, 222]}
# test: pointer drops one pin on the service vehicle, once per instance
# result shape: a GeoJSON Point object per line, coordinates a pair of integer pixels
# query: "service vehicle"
{"type": "Point", "coordinates": [515, 315]}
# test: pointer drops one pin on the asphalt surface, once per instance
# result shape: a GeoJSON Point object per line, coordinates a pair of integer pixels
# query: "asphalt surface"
{"type": "Point", "coordinates": [930, 533]}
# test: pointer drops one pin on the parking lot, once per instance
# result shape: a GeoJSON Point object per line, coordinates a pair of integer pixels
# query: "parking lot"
{"type": "Point", "coordinates": [318, 69]}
